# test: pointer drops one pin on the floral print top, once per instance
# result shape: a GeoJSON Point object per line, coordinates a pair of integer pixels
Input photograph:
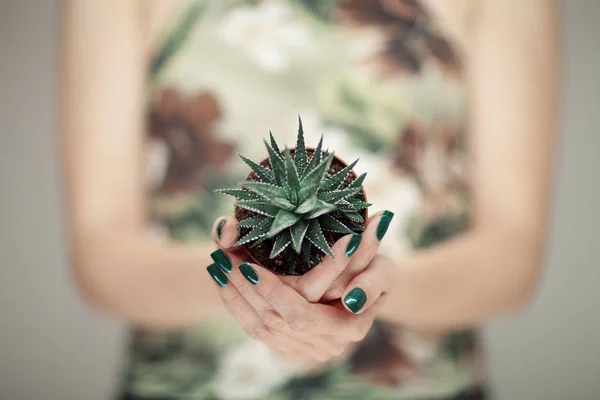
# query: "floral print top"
{"type": "Point", "coordinates": [382, 84]}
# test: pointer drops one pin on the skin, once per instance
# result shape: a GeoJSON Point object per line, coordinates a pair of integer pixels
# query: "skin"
{"type": "Point", "coordinates": [510, 50]}
{"type": "Point", "coordinates": [290, 314]}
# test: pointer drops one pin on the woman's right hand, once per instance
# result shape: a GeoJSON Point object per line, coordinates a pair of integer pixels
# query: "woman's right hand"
{"type": "Point", "coordinates": [273, 312]}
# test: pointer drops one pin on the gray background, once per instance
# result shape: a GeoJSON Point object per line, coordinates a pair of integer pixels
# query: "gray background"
{"type": "Point", "coordinates": [53, 348]}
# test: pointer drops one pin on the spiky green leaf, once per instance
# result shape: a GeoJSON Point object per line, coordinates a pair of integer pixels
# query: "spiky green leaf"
{"type": "Point", "coordinates": [255, 234]}
{"type": "Point", "coordinates": [258, 241]}
{"type": "Point", "coordinates": [357, 183]}
{"type": "Point", "coordinates": [353, 216]}
{"type": "Point", "coordinates": [283, 240]}
{"type": "Point", "coordinates": [329, 223]}
{"type": "Point", "coordinates": [315, 235]}
{"type": "Point", "coordinates": [318, 173]}
{"type": "Point", "coordinates": [274, 145]}
{"type": "Point", "coordinates": [272, 194]}
{"type": "Point", "coordinates": [307, 205]}
{"type": "Point", "coordinates": [277, 164]}
{"type": "Point", "coordinates": [315, 158]}
{"type": "Point", "coordinates": [291, 174]}
{"type": "Point", "coordinates": [264, 174]}
{"type": "Point", "coordinates": [241, 194]}
{"type": "Point", "coordinates": [307, 191]}
{"type": "Point", "coordinates": [284, 219]}
{"type": "Point", "coordinates": [298, 231]}
{"type": "Point", "coordinates": [252, 222]}
{"type": "Point", "coordinates": [259, 207]}
{"type": "Point", "coordinates": [266, 190]}
{"type": "Point", "coordinates": [356, 205]}
{"type": "Point", "coordinates": [335, 196]}
{"type": "Point", "coordinates": [300, 156]}
{"type": "Point", "coordinates": [320, 209]}
{"type": "Point", "coordinates": [335, 181]}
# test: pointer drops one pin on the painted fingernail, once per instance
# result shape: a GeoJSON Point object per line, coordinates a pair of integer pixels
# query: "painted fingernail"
{"type": "Point", "coordinates": [221, 259]}
{"type": "Point", "coordinates": [220, 226]}
{"type": "Point", "coordinates": [249, 273]}
{"type": "Point", "coordinates": [353, 245]}
{"type": "Point", "coordinates": [218, 275]}
{"type": "Point", "coordinates": [384, 224]}
{"type": "Point", "coordinates": [355, 300]}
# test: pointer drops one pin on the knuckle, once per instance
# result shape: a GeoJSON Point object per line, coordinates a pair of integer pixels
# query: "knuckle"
{"type": "Point", "coordinates": [334, 292]}
{"type": "Point", "coordinates": [259, 332]}
{"type": "Point", "coordinates": [269, 295]}
{"type": "Point", "coordinates": [305, 290]}
{"type": "Point", "coordinates": [241, 284]}
{"type": "Point", "coordinates": [299, 321]}
{"type": "Point", "coordinates": [230, 296]}
{"type": "Point", "coordinates": [273, 320]}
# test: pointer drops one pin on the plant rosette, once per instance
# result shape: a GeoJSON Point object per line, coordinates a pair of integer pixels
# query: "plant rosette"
{"type": "Point", "coordinates": [295, 204]}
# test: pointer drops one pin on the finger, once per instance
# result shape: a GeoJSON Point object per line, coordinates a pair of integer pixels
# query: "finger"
{"type": "Point", "coordinates": [371, 238]}
{"type": "Point", "coordinates": [237, 305]}
{"type": "Point", "coordinates": [244, 280]}
{"type": "Point", "coordinates": [254, 325]}
{"type": "Point", "coordinates": [291, 306]}
{"type": "Point", "coordinates": [299, 314]}
{"type": "Point", "coordinates": [315, 283]}
{"type": "Point", "coordinates": [225, 232]}
{"type": "Point", "coordinates": [225, 235]}
{"type": "Point", "coordinates": [368, 286]}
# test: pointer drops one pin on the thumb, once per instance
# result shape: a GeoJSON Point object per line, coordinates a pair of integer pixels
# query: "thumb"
{"type": "Point", "coordinates": [225, 232]}
{"type": "Point", "coordinates": [368, 286]}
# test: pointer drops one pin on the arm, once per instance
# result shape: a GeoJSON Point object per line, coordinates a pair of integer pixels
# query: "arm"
{"type": "Point", "coordinates": [512, 69]}
{"type": "Point", "coordinates": [118, 268]}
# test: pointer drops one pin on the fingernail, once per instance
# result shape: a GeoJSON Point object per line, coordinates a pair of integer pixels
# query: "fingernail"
{"type": "Point", "coordinates": [249, 273]}
{"type": "Point", "coordinates": [355, 300]}
{"type": "Point", "coordinates": [218, 275]}
{"type": "Point", "coordinates": [353, 245]}
{"type": "Point", "coordinates": [220, 228]}
{"type": "Point", "coordinates": [384, 224]}
{"type": "Point", "coordinates": [221, 259]}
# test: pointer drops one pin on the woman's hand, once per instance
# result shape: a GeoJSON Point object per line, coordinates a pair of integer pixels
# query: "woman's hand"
{"type": "Point", "coordinates": [357, 273]}
{"type": "Point", "coordinates": [280, 314]}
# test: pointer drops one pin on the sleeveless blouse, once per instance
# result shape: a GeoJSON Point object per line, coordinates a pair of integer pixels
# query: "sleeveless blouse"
{"type": "Point", "coordinates": [383, 84]}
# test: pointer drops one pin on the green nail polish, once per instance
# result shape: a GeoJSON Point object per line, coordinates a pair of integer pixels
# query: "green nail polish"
{"type": "Point", "coordinates": [221, 259]}
{"type": "Point", "coordinates": [249, 273]}
{"type": "Point", "coordinates": [384, 224]}
{"type": "Point", "coordinates": [355, 300]}
{"type": "Point", "coordinates": [220, 228]}
{"type": "Point", "coordinates": [218, 275]}
{"type": "Point", "coordinates": [353, 245]}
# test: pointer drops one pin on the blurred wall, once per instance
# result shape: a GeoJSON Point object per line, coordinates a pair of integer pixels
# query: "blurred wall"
{"type": "Point", "coordinates": [53, 348]}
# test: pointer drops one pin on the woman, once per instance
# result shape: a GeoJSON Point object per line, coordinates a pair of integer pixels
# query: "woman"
{"type": "Point", "coordinates": [157, 97]}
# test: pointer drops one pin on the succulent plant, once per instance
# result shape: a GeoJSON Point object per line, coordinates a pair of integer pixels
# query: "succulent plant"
{"type": "Point", "coordinates": [295, 204]}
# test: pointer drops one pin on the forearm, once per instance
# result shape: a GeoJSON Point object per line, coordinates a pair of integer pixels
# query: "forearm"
{"type": "Point", "coordinates": [143, 281]}
{"type": "Point", "coordinates": [464, 281]}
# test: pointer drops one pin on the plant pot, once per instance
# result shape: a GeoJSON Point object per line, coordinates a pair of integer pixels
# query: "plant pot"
{"type": "Point", "coordinates": [279, 265]}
